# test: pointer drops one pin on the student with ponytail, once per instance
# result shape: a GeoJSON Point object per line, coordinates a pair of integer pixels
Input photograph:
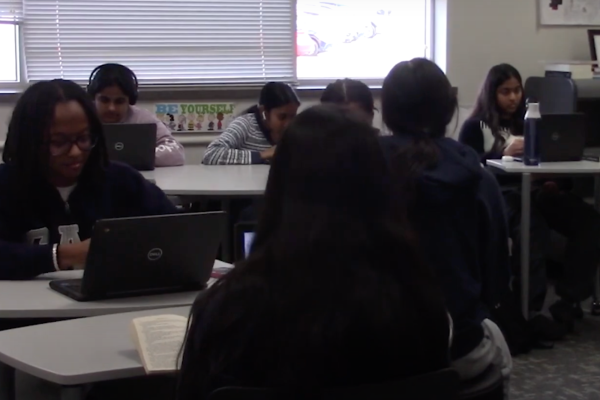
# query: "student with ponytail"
{"type": "Point", "coordinates": [353, 94]}
{"type": "Point", "coordinates": [253, 136]}
{"type": "Point", "coordinates": [455, 207]}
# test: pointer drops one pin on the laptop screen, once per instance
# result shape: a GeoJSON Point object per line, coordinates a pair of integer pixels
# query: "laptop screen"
{"type": "Point", "coordinates": [244, 236]}
{"type": "Point", "coordinates": [248, 238]}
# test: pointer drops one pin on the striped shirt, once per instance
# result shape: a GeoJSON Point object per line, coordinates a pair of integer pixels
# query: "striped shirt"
{"type": "Point", "coordinates": [241, 143]}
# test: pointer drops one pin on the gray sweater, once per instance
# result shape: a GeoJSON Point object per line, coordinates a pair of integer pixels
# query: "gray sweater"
{"type": "Point", "coordinates": [240, 143]}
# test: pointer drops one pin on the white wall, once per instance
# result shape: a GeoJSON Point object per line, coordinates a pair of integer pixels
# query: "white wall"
{"type": "Point", "coordinates": [481, 33]}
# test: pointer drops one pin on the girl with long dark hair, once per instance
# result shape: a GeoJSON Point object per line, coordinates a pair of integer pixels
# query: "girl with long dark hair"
{"type": "Point", "coordinates": [495, 129]}
{"type": "Point", "coordinates": [455, 207]}
{"type": "Point", "coordinates": [56, 181]}
{"type": "Point", "coordinates": [252, 137]}
{"type": "Point", "coordinates": [333, 292]}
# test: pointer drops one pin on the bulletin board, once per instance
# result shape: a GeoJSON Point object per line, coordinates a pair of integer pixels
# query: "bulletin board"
{"type": "Point", "coordinates": [569, 12]}
{"type": "Point", "coordinates": [195, 117]}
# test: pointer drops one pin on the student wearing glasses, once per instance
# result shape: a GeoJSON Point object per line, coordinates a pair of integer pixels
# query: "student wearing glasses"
{"type": "Point", "coordinates": [114, 89]}
{"type": "Point", "coordinates": [56, 181]}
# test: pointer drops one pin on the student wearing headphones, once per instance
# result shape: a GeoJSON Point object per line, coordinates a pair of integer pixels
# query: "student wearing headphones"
{"type": "Point", "coordinates": [253, 136]}
{"type": "Point", "coordinates": [114, 89]}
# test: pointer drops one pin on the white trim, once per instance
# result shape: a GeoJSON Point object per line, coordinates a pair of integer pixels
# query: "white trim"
{"type": "Point", "coordinates": [190, 140]}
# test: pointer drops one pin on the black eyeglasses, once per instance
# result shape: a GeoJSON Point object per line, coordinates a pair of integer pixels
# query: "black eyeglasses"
{"type": "Point", "coordinates": [61, 145]}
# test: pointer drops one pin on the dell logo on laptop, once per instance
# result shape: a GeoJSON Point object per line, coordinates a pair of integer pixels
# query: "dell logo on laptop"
{"type": "Point", "coordinates": [155, 254]}
{"type": "Point", "coordinates": [555, 136]}
{"type": "Point", "coordinates": [119, 146]}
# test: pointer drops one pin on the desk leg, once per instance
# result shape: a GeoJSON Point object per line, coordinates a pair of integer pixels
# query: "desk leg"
{"type": "Point", "coordinates": [595, 308]}
{"type": "Point", "coordinates": [7, 382]}
{"type": "Point", "coordinates": [72, 393]}
{"type": "Point", "coordinates": [227, 255]}
{"type": "Point", "coordinates": [525, 222]}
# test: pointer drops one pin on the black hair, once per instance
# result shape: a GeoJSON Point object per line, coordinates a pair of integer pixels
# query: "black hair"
{"type": "Point", "coordinates": [274, 95]}
{"type": "Point", "coordinates": [28, 129]}
{"type": "Point", "coordinates": [107, 75]}
{"type": "Point", "coordinates": [486, 108]}
{"type": "Point", "coordinates": [328, 248]}
{"type": "Point", "coordinates": [347, 90]}
{"type": "Point", "coordinates": [418, 101]}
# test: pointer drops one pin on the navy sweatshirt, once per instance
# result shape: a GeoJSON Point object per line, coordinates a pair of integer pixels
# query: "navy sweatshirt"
{"type": "Point", "coordinates": [459, 217]}
{"type": "Point", "coordinates": [27, 233]}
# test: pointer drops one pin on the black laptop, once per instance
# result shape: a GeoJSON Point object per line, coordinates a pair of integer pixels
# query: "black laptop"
{"type": "Point", "coordinates": [243, 236]}
{"type": "Point", "coordinates": [562, 137]}
{"type": "Point", "coordinates": [148, 255]}
{"type": "Point", "coordinates": [133, 144]}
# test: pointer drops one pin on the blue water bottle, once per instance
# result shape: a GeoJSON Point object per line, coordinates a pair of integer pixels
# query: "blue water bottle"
{"type": "Point", "coordinates": [532, 132]}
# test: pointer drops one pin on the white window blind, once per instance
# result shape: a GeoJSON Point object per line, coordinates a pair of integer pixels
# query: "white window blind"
{"type": "Point", "coordinates": [11, 10]}
{"type": "Point", "coordinates": [163, 42]}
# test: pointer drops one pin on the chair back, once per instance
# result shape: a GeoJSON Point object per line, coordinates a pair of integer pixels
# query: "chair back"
{"type": "Point", "coordinates": [440, 385]}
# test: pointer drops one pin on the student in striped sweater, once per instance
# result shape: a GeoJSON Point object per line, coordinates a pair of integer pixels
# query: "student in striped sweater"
{"type": "Point", "coordinates": [252, 137]}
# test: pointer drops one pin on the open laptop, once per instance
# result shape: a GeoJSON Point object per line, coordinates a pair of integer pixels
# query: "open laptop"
{"type": "Point", "coordinates": [148, 255]}
{"type": "Point", "coordinates": [133, 144]}
{"type": "Point", "coordinates": [243, 236]}
{"type": "Point", "coordinates": [562, 137]}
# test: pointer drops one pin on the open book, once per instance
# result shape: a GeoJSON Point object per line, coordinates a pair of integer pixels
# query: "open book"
{"type": "Point", "coordinates": [158, 340]}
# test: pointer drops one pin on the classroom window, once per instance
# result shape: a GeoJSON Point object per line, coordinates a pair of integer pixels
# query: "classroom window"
{"type": "Point", "coordinates": [215, 43]}
{"type": "Point", "coordinates": [11, 12]}
{"type": "Point", "coordinates": [359, 39]}
{"type": "Point", "coordinates": [9, 50]}
{"type": "Point", "coordinates": [165, 42]}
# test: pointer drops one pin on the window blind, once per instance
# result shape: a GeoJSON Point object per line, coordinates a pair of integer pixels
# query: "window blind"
{"type": "Point", "coordinates": [11, 11]}
{"type": "Point", "coordinates": [163, 42]}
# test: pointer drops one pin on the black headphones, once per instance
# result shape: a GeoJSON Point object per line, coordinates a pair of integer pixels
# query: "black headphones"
{"type": "Point", "coordinates": [113, 69]}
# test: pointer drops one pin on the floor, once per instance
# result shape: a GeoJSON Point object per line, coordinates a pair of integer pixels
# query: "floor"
{"type": "Point", "coordinates": [570, 371]}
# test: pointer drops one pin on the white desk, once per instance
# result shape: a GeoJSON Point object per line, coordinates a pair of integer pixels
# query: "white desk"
{"type": "Point", "coordinates": [35, 299]}
{"type": "Point", "coordinates": [219, 182]}
{"type": "Point", "coordinates": [75, 352]}
{"type": "Point", "coordinates": [555, 168]}
{"type": "Point", "coordinates": [211, 180]}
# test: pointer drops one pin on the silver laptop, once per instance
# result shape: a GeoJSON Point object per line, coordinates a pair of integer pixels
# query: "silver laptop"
{"type": "Point", "coordinates": [133, 144]}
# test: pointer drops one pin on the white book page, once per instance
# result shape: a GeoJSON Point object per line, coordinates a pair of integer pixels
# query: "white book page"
{"type": "Point", "coordinates": [159, 339]}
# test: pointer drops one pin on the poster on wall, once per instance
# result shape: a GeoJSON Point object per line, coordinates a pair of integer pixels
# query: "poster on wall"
{"type": "Point", "coordinates": [569, 12]}
{"type": "Point", "coordinates": [195, 117]}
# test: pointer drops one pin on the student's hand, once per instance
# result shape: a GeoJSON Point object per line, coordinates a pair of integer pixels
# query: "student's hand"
{"type": "Point", "coordinates": [268, 154]}
{"type": "Point", "coordinates": [515, 148]}
{"type": "Point", "coordinates": [73, 255]}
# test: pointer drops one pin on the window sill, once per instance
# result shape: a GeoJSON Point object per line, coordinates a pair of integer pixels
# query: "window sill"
{"type": "Point", "coordinates": [199, 94]}
{"type": "Point", "coordinates": [191, 93]}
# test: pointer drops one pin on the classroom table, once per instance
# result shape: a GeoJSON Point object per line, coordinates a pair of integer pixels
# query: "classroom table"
{"type": "Point", "coordinates": [215, 181]}
{"type": "Point", "coordinates": [552, 168]}
{"type": "Point", "coordinates": [34, 299]}
{"type": "Point", "coordinates": [75, 352]}
{"type": "Point", "coordinates": [212, 182]}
